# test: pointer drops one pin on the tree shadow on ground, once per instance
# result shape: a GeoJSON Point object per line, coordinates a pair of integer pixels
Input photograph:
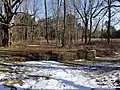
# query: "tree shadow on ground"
{"type": "Point", "coordinates": [79, 87]}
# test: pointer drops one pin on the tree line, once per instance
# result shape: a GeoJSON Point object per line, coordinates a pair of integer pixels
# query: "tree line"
{"type": "Point", "coordinates": [65, 21]}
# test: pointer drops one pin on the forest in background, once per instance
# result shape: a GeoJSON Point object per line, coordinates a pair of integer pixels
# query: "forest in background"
{"type": "Point", "coordinates": [61, 22]}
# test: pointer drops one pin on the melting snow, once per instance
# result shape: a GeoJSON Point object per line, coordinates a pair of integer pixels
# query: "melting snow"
{"type": "Point", "coordinates": [55, 75]}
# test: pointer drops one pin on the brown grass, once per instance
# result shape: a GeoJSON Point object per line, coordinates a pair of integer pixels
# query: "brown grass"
{"type": "Point", "coordinates": [103, 49]}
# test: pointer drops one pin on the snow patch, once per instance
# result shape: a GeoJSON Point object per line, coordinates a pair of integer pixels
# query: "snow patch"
{"type": "Point", "coordinates": [55, 75]}
{"type": "Point", "coordinates": [80, 60]}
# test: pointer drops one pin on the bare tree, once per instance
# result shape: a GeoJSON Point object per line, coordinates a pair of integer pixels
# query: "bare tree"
{"type": "Point", "coordinates": [109, 21]}
{"type": "Point", "coordinates": [111, 14]}
{"type": "Point", "coordinates": [84, 16]}
{"type": "Point", "coordinates": [87, 11]}
{"type": "Point", "coordinates": [46, 17]}
{"type": "Point", "coordinates": [58, 21]}
{"type": "Point", "coordinates": [10, 9]}
{"type": "Point", "coordinates": [58, 12]}
{"type": "Point", "coordinates": [94, 8]}
{"type": "Point", "coordinates": [63, 32]}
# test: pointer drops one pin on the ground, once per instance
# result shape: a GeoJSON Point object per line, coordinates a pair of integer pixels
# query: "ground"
{"type": "Point", "coordinates": [40, 50]}
{"type": "Point", "coordinates": [22, 66]}
{"type": "Point", "coordinates": [56, 75]}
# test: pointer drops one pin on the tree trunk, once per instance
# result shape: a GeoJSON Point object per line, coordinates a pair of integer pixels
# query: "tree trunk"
{"type": "Point", "coordinates": [26, 33]}
{"type": "Point", "coordinates": [109, 21]}
{"type": "Point", "coordinates": [63, 33]}
{"type": "Point", "coordinates": [86, 30]}
{"type": "Point", "coordinates": [57, 32]}
{"type": "Point", "coordinates": [82, 38]}
{"type": "Point", "coordinates": [5, 39]}
{"type": "Point", "coordinates": [89, 37]}
{"type": "Point", "coordinates": [90, 31]}
{"type": "Point", "coordinates": [86, 36]}
{"type": "Point", "coordinates": [46, 28]}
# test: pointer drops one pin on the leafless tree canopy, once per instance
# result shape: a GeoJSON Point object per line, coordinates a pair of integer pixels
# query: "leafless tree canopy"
{"type": "Point", "coordinates": [64, 21]}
